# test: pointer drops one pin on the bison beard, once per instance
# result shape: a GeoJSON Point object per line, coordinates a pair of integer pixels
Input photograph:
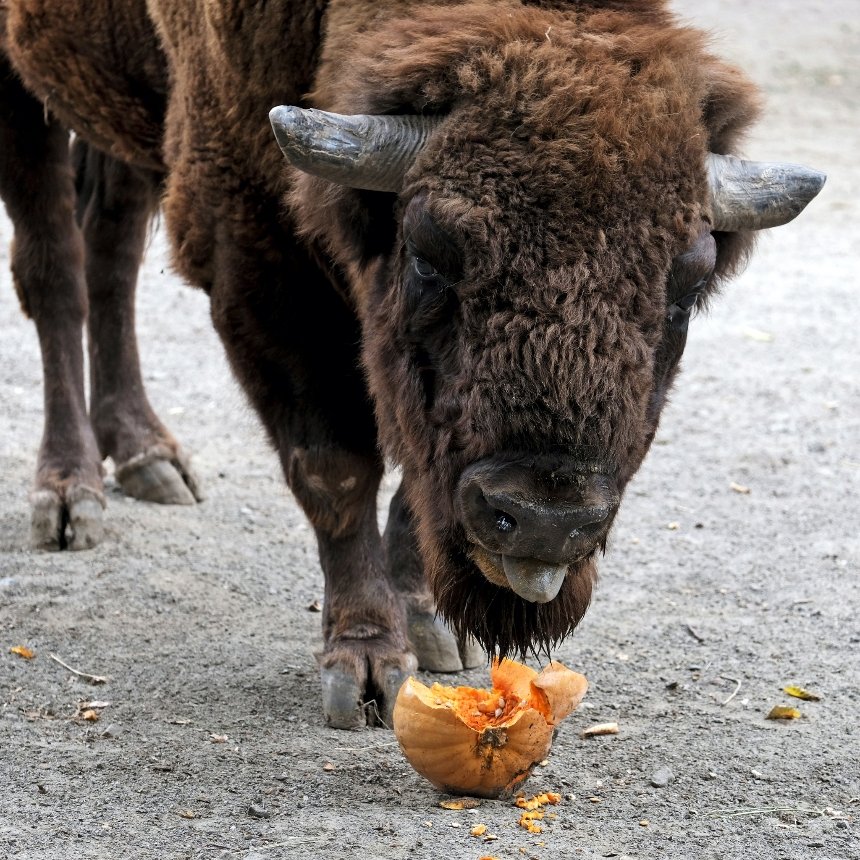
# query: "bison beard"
{"type": "Point", "coordinates": [505, 624]}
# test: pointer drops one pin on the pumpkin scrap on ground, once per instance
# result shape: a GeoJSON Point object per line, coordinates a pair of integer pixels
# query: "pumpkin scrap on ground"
{"type": "Point", "coordinates": [539, 800]}
{"type": "Point", "coordinates": [23, 651]}
{"type": "Point", "coordinates": [485, 742]}
{"type": "Point", "coordinates": [533, 812]}
{"type": "Point", "coordinates": [528, 819]}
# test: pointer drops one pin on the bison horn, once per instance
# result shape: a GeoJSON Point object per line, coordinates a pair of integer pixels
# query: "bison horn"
{"type": "Point", "coordinates": [375, 152]}
{"type": "Point", "coordinates": [361, 151]}
{"type": "Point", "coordinates": [752, 195]}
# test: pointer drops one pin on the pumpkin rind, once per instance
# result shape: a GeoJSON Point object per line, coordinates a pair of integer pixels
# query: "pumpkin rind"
{"type": "Point", "coordinates": [493, 759]}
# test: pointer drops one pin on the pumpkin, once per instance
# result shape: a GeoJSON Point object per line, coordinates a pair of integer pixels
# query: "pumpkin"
{"type": "Point", "coordinates": [485, 742]}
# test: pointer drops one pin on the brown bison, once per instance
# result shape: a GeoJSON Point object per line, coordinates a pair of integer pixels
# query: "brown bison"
{"type": "Point", "coordinates": [480, 263]}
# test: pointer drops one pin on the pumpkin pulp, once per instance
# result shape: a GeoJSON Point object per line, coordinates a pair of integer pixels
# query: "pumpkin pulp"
{"type": "Point", "coordinates": [482, 709]}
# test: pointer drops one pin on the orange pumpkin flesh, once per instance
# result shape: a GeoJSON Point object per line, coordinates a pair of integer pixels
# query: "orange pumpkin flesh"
{"type": "Point", "coordinates": [485, 742]}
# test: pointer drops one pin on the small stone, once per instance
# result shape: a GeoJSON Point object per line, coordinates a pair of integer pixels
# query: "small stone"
{"type": "Point", "coordinates": [257, 810]}
{"type": "Point", "coordinates": [111, 731]}
{"type": "Point", "coordinates": [661, 777]}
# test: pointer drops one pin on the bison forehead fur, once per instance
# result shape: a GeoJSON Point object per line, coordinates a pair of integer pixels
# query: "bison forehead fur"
{"type": "Point", "coordinates": [568, 174]}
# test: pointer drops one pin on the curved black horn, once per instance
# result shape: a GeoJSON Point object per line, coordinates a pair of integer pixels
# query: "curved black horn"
{"type": "Point", "coordinates": [752, 195]}
{"type": "Point", "coordinates": [361, 151]}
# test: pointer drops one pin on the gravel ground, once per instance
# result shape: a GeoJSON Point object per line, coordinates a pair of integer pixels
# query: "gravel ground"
{"type": "Point", "coordinates": [711, 599]}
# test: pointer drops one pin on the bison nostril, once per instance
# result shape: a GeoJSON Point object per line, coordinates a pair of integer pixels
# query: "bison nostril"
{"type": "Point", "coordinates": [504, 522]}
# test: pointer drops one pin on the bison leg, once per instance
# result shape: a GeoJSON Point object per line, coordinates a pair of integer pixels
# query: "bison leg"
{"type": "Point", "coordinates": [47, 269]}
{"type": "Point", "coordinates": [434, 644]}
{"type": "Point", "coordinates": [366, 656]}
{"type": "Point", "coordinates": [293, 343]}
{"type": "Point", "coordinates": [115, 205]}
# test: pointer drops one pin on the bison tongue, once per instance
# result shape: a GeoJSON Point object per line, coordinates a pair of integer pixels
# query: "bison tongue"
{"type": "Point", "coordinates": [536, 581]}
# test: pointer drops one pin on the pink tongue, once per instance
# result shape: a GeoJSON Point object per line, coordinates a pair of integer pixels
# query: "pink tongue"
{"type": "Point", "coordinates": [535, 581]}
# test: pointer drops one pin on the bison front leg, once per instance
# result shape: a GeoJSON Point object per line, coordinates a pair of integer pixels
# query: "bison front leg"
{"type": "Point", "coordinates": [47, 268]}
{"type": "Point", "coordinates": [293, 341]}
{"type": "Point", "coordinates": [436, 647]}
{"type": "Point", "coordinates": [115, 205]}
{"type": "Point", "coordinates": [366, 657]}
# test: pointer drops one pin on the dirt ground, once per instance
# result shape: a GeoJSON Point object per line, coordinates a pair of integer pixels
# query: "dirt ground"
{"type": "Point", "coordinates": [711, 599]}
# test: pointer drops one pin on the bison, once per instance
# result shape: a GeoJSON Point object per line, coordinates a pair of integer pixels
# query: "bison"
{"type": "Point", "coordinates": [480, 261]}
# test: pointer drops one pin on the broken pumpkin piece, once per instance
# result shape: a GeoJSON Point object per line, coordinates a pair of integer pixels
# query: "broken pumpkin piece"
{"type": "Point", "coordinates": [528, 820]}
{"type": "Point", "coordinates": [22, 651]}
{"type": "Point", "coordinates": [539, 800]}
{"type": "Point", "coordinates": [481, 742]}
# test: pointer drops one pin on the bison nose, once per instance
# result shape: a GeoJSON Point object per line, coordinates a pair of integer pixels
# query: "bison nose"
{"type": "Point", "coordinates": [524, 513]}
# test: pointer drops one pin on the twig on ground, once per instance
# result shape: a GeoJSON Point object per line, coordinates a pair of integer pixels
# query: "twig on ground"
{"type": "Point", "coordinates": [737, 683]}
{"type": "Point", "coordinates": [93, 679]}
{"type": "Point", "coordinates": [367, 748]}
{"type": "Point", "coordinates": [765, 810]}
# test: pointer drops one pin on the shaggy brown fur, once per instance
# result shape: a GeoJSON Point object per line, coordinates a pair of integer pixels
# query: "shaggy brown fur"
{"type": "Point", "coordinates": [562, 202]}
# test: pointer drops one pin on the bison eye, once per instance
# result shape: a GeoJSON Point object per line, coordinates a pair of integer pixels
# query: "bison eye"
{"type": "Point", "coordinates": [424, 270]}
{"type": "Point", "coordinates": [688, 302]}
{"type": "Point", "coordinates": [679, 311]}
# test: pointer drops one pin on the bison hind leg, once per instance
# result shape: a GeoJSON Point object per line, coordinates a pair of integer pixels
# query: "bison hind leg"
{"type": "Point", "coordinates": [115, 204]}
{"type": "Point", "coordinates": [436, 646]}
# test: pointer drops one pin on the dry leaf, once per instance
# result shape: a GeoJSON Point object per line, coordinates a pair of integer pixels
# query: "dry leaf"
{"type": "Point", "coordinates": [800, 693]}
{"type": "Point", "coordinates": [600, 729]}
{"type": "Point", "coordinates": [328, 766]}
{"type": "Point", "coordinates": [780, 712]}
{"type": "Point", "coordinates": [478, 830]}
{"type": "Point", "coordinates": [739, 488]}
{"type": "Point", "coordinates": [187, 813]}
{"type": "Point", "coordinates": [218, 739]}
{"type": "Point", "coordinates": [316, 606]}
{"type": "Point", "coordinates": [90, 715]}
{"type": "Point", "coordinates": [23, 651]}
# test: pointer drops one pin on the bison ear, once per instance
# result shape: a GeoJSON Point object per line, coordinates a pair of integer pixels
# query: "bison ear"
{"type": "Point", "coordinates": [353, 226]}
{"type": "Point", "coordinates": [730, 104]}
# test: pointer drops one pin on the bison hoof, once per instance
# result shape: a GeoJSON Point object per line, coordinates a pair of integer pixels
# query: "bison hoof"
{"type": "Point", "coordinates": [73, 522]}
{"type": "Point", "coordinates": [437, 647]}
{"type": "Point", "coordinates": [160, 475]}
{"type": "Point", "coordinates": [358, 693]}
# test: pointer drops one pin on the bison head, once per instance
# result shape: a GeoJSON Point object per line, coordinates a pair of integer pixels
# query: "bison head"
{"type": "Point", "coordinates": [529, 206]}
